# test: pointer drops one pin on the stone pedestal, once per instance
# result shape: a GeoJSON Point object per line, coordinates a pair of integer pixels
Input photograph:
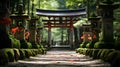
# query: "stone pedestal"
{"type": "Point", "coordinates": [87, 33]}
{"type": "Point", "coordinates": [20, 19]}
{"type": "Point", "coordinates": [32, 29]}
{"type": "Point", "coordinates": [95, 25]}
{"type": "Point", "coordinates": [106, 13]}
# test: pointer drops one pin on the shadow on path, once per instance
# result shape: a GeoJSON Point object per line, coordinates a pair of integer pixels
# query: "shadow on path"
{"type": "Point", "coordinates": [59, 58]}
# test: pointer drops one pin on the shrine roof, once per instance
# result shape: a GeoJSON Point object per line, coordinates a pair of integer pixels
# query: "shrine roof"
{"type": "Point", "coordinates": [61, 13]}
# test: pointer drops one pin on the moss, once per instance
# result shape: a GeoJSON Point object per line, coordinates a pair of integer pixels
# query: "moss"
{"type": "Point", "coordinates": [3, 58]}
{"type": "Point", "coordinates": [90, 52]}
{"type": "Point", "coordinates": [111, 56]}
{"type": "Point", "coordinates": [15, 42]}
{"type": "Point", "coordinates": [25, 44]}
{"type": "Point", "coordinates": [102, 44]}
{"type": "Point", "coordinates": [10, 53]}
{"type": "Point", "coordinates": [35, 46]}
{"type": "Point", "coordinates": [83, 45]}
{"type": "Point", "coordinates": [16, 54]}
{"type": "Point", "coordinates": [91, 44]}
{"type": "Point", "coordinates": [22, 54]}
{"type": "Point", "coordinates": [116, 61]}
{"type": "Point", "coordinates": [107, 53]}
{"type": "Point", "coordinates": [33, 53]}
{"type": "Point", "coordinates": [94, 53]}
{"type": "Point", "coordinates": [28, 53]}
{"type": "Point", "coordinates": [99, 53]}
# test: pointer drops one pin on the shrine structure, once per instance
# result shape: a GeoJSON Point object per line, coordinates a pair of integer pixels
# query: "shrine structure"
{"type": "Point", "coordinates": [61, 19]}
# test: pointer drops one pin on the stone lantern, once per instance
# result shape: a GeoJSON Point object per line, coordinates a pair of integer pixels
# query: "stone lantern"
{"type": "Point", "coordinates": [95, 25]}
{"type": "Point", "coordinates": [20, 20]}
{"type": "Point", "coordinates": [32, 29]}
{"type": "Point", "coordinates": [106, 11]}
{"type": "Point", "coordinates": [87, 33]}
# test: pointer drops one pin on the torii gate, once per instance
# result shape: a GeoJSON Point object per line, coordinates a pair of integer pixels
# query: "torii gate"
{"type": "Point", "coordinates": [70, 17]}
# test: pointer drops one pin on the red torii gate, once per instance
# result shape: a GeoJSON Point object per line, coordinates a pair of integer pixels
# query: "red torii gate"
{"type": "Point", "coordinates": [60, 19]}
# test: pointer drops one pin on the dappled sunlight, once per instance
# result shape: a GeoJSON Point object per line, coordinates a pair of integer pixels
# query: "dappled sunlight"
{"type": "Point", "coordinates": [62, 59]}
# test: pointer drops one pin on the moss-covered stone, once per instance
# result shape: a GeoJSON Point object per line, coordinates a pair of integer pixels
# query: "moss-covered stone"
{"type": "Point", "coordinates": [10, 53]}
{"type": "Point", "coordinates": [94, 53]}
{"type": "Point", "coordinates": [25, 44]}
{"type": "Point", "coordinates": [111, 56]}
{"type": "Point", "coordinates": [16, 54]}
{"type": "Point", "coordinates": [83, 45]}
{"type": "Point", "coordinates": [105, 45]}
{"type": "Point", "coordinates": [22, 54]}
{"type": "Point", "coordinates": [91, 44]}
{"type": "Point", "coordinates": [3, 58]}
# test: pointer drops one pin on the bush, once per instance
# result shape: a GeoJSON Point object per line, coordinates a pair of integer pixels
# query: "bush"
{"type": "Point", "coordinates": [102, 44]}
{"type": "Point", "coordinates": [10, 54]}
{"type": "Point", "coordinates": [15, 43]}
{"type": "Point", "coordinates": [25, 44]}
{"type": "Point", "coordinates": [83, 45]}
{"type": "Point", "coordinates": [3, 58]}
{"type": "Point", "coordinates": [35, 45]}
{"type": "Point", "coordinates": [91, 44]}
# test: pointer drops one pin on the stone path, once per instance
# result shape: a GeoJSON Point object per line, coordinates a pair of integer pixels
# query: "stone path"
{"type": "Point", "coordinates": [59, 59]}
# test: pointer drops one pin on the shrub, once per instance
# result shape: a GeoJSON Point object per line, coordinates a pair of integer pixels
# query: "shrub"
{"type": "Point", "coordinates": [25, 44]}
{"type": "Point", "coordinates": [15, 43]}
{"type": "Point", "coordinates": [83, 45]}
{"type": "Point", "coordinates": [102, 44]}
{"type": "Point", "coordinates": [35, 45]}
{"type": "Point", "coordinates": [91, 44]}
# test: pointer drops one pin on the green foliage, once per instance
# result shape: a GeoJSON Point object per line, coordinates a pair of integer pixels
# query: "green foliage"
{"type": "Point", "coordinates": [22, 54]}
{"type": "Point", "coordinates": [83, 45]}
{"type": "Point", "coordinates": [15, 42]}
{"type": "Point", "coordinates": [94, 53]}
{"type": "Point", "coordinates": [102, 44]}
{"type": "Point", "coordinates": [10, 53]}
{"type": "Point", "coordinates": [16, 54]}
{"type": "Point", "coordinates": [25, 44]}
{"type": "Point", "coordinates": [91, 44]}
{"type": "Point", "coordinates": [36, 46]}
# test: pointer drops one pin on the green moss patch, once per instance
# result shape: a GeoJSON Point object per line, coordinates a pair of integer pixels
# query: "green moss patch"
{"type": "Point", "coordinates": [10, 53]}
